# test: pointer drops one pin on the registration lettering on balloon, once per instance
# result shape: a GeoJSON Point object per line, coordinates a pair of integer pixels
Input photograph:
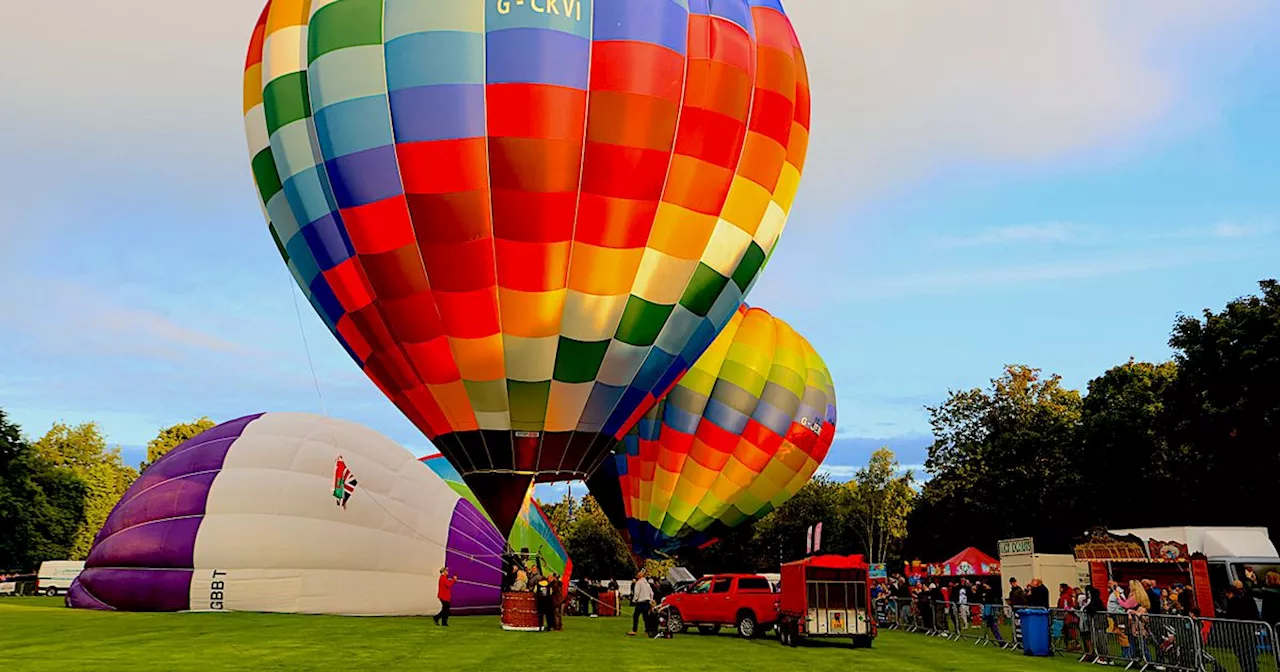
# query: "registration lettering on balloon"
{"type": "Point", "coordinates": [570, 8]}
{"type": "Point", "coordinates": [812, 425]}
{"type": "Point", "coordinates": [217, 590]}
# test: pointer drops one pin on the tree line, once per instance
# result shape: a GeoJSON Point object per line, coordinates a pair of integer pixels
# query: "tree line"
{"type": "Point", "coordinates": [57, 491]}
{"type": "Point", "coordinates": [1189, 441]}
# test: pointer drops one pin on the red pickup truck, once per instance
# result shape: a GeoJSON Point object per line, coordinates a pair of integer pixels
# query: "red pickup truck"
{"type": "Point", "coordinates": [745, 601]}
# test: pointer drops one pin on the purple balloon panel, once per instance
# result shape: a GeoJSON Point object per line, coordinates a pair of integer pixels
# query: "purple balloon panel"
{"type": "Point", "coordinates": [474, 555]}
{"type": "Point", "coordinates": [131, 589]}
{"type": "Point", "coordinates": [178, 483]}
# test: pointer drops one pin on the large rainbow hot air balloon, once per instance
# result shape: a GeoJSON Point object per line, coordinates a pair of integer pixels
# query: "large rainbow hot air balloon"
{"type": "Point", "coordinates": [740, 434]}
{"type": "Point", "coordinates": [291, 512]}
{"type": "Point", "coordinates": [532, 531]}
{"type": "Point", "coordinates": [525, 220]}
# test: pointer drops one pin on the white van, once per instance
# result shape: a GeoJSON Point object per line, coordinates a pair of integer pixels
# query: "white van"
{"type": "Point", "coordinates": [55, 576]}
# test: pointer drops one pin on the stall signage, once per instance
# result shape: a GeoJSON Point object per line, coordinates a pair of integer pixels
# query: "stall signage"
{"type": "Point", "coordinates": [1021, 546]}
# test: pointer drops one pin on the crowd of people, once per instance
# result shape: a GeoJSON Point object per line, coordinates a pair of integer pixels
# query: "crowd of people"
{"type": "Point", "coordinates": [1128, 615]}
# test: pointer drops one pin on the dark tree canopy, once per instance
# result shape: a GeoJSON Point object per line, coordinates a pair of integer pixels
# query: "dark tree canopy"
{"type": "Point", "coordinates": [41, 504]}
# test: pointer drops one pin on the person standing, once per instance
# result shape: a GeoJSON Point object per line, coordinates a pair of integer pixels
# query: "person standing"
{"type": "Point", "coordinates": [1017, 601]}
{"type": "Point", "coordinates": [642, 598]}
{"type": "Point", "coordinates": [542, 595]}
{"type": "Point", "coordinates": [557, 602]}
{"type": "Point", "coordinates": [444, 591]}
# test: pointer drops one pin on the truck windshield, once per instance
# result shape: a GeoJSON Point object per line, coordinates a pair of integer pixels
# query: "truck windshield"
{"type": "Point", "coordinates": [1260, 572]}
{"type": "Point", "coordinates": [701, 587]}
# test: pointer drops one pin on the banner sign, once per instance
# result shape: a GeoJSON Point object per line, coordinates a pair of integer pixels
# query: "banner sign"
{"type": "Point", "coordinates": [1103, 547]}
{"type": "Point", "coordinates": [1020, 546]}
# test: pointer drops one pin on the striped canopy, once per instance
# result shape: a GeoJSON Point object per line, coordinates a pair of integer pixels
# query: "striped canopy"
{"type": "Point", "coordinates": [525, 219]}
{"type": "Point", "coordinates": [738, 436]}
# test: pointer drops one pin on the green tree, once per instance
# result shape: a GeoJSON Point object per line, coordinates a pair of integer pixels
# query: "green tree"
{"type": "Point", "coordinates": [41, 506]}
{"type": "Point", "coordinates": [83, 450]}
{"type": "Point", "coordinates": [172, 437]}
{"type": "Point", "coordinates": [1004, 462]}
{"type": "Point", "coordinates": [780, 536]}
{"type": "Point", "coordinates": [596, 548]}
{"type": "Point", "coordinates": [1226, 406]}
{"type": "Point", "coordinates": [1124, 441]}
{"type": "Point", "coordinates": [877, 504]}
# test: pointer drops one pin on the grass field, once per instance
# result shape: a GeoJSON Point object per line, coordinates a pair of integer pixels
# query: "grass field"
{"type": "Point", "coordinates": [40, 634]}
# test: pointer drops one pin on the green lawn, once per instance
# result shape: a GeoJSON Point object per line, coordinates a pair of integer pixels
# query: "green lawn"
{"type": "Point", "coordinates": [40, 634]}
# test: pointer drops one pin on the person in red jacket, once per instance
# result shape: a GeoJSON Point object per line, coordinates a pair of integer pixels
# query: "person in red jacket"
{"type": "Point", "coordinates": [445, 593]}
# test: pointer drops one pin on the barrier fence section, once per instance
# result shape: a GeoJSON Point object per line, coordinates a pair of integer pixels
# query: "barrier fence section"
{"type": "Point", "coordinates": [1130, 640]}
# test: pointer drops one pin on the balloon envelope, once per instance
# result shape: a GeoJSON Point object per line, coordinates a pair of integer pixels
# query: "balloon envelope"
{"type": "Point", "coordinates": [524, 220]}
{"type": "Point", "coordinates": [290, 512]}
{"type": "Point", "coordinates": [740, 434]}
{"type": "Point", "coordinates": [532, 530]}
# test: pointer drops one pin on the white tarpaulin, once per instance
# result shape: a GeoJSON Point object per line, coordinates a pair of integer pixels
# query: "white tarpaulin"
{"type": "Point", "coordinates": [1214, 542]}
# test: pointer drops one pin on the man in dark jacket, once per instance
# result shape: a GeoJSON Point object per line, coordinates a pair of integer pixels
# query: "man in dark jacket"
{"type": "Point", "coordinates": [1039, 594]}
{"type": "Point", "coordinates": [1241, 607]}
{"type": "Point", "coordinates": [1017, 598]}
{"type": "Point", "coordinates": [1154, 596]}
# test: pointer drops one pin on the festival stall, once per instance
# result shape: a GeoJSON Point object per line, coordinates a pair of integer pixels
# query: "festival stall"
{"type": "Point", "coordinates": [968, 563]}
{"type": "Point", "coordinates": [1019, 559]}
{"type": "Point", "coordinates": [1123, 557]}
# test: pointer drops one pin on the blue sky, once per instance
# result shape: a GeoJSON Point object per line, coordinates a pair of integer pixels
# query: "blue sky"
{"type": "Point", "coordinates": [990, 182]}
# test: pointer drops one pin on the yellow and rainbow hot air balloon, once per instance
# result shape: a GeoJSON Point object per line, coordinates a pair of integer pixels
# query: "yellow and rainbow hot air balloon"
{"type": "Point", "coordinates": [739, 435]}
{"type": "Point", "coordinates": [525, 220]}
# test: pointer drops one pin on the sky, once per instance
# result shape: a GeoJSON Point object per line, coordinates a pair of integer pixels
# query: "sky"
{"type": "Point", "coordinates": [989, 182]}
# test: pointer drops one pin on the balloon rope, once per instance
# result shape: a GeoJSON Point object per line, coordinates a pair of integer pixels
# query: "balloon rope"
{"type": "Point", "coordinates": [305, 346]}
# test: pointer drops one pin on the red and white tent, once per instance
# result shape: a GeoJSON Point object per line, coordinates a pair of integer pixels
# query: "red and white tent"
{"type": "Point", "coordinates": [971, 562]}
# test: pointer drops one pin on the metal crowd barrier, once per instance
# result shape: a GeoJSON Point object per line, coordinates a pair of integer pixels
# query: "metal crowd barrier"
{"type": "Point", "coordinates": [1237, 646]}
{"type": "Point", "coordinates": [1128, 640]}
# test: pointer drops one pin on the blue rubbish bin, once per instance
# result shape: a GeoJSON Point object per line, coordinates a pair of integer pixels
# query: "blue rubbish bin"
{"type": "Point", "coordinates": [1035, 632]}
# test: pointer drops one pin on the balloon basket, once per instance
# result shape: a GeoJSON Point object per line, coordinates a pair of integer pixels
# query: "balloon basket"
{"type": "Point", "coordinates": [519, 612]}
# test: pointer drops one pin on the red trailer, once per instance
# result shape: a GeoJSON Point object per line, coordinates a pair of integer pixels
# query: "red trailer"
{"type": "Point", "coordinates": [826, 596]}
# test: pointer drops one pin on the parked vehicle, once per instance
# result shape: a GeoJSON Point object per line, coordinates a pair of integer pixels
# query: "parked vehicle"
{"type": "Point", "coordinates": [55, 576]}
{"type": "Point", "coordinates": [826, 596]}
{"type": "Point", "coordinates": [744, 601]}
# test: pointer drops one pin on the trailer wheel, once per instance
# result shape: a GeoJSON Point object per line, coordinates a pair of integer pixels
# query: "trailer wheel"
{"type": "Point", "coordinates": [862, 642]}
{"type": "Point", "coordinates": [51, 591]}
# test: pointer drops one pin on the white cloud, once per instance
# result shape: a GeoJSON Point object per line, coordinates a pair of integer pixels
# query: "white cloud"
{"type": "Point", "coordinates": [948, 281]}
{"type": "Point", "coordinates": [1024, 234]}
{"type": "Point", "coordinates": [903, 89]}
{"type": "Point", "coordinates": [75, 319]}
{"type": "Point", "coordinates": [1239, 230]}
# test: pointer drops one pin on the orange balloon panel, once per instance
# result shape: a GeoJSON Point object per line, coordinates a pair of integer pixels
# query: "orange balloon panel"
{"type": "Point", "coordinates": [525, 220]}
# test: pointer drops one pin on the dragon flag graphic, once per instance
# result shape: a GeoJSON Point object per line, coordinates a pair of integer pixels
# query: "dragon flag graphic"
{"type": "Point", "coordinates": [344, 483]}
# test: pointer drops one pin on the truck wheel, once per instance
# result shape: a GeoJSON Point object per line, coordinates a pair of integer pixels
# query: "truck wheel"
{"type": "Point", "coordinates": [782, 635]}
{"type": "Point", "coordinates": [708, 629]}
{"type": "Point", "coordinates": [747, 625]}
{"type": "Point", "coordinates": [51, 592]}
{"type": "Point", "coordinates": [675, 623]}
